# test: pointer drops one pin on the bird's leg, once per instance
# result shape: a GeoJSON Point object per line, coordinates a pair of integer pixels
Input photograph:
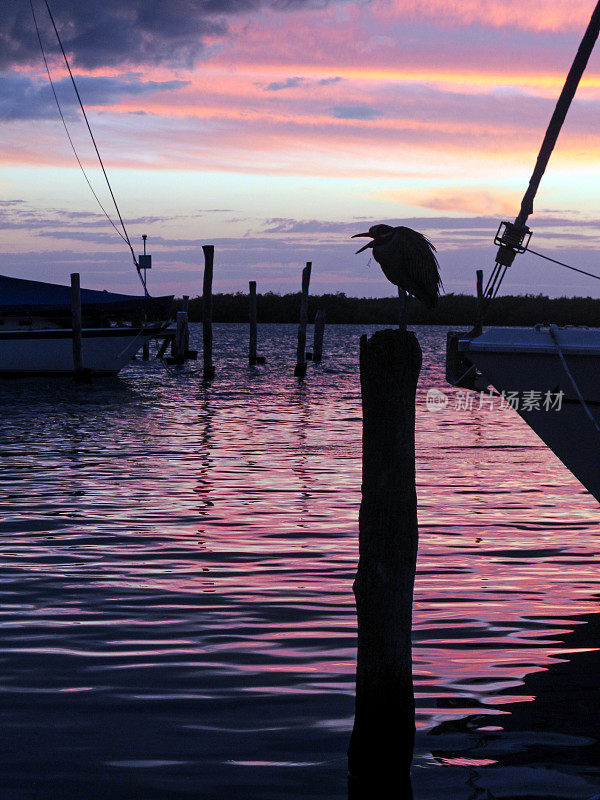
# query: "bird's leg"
{"type": "Point", "coordinates": [402, 308]}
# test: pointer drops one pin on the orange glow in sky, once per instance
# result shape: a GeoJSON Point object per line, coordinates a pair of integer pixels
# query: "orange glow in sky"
{"type": "Point", "coordinates": [384, 111]}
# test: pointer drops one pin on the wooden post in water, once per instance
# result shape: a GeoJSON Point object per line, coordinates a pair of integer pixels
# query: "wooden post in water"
{"type": "Point", "coordinates": [252, 356]}
{"type": "Point", "coordinates": [76, 323]}
{"type": "Point", "coordinates": [479, 285]}
{"type": "Point", "coordinates": [479, 314]}
{"type": "Point", "coordinates": [208, 371]}
{"type": "Point", "coordinates": [185, 307]}
{"type": "Point", "coordinates": [382, 741]}
{"type": "Point", "coordinates": [300, 370]}
{"type": "Point", "coordinates": [181, 337]}
{"type": "Point", "coordinates": [163, 348]}
{"type": "Point", "coordinates": [318, 335]}
{"type": "Point", "coordinates": [146, 350]}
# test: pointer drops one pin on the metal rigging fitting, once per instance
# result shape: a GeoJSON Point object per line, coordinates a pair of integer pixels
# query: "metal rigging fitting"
{"type": "Point", "coordinates": [511, 239]}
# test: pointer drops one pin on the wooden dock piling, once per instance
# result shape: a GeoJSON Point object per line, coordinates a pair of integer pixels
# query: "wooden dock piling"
{"type": "Point", "coordinates": [76, 322]}
{"type": "Point", "coordinates": [479, 314]}
{"type": "Point", "coordinates": [318, 335]}
{"type": "Point", "coordinates": [300, 369]}
{"type": "Point", "coordinates": [208, 371]}
{"type": "Point", "coordinates": [252, 355]}
{"type": "Point", "coordinates": [479, 274]}
{"type": "Point", "coordinates": [163, 347]}
{"type": "Point", "coordinates": [180, 343]}
{"type": "Point", "coordinates": [382, 741]}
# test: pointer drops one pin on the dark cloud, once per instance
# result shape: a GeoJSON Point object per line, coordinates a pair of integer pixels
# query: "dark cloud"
{"type": "Point", "coordinates": [109, 32]}
{"type": "Point", "coordinates": [296, 83]}
{"type": "Point", "coordinates": [16, 214]}
{"type": "Point", "coordinates": [289, 83]}
{"type": "Point", "coordinates": [356, 111]}
{"type": "Point", "coordinates": [275, 262]}
{"type": "Point", "coordinates": [285, 225]}
{"type": "Point", "coordinates": [22, 97]}
{"type": "Point", "coordinates": [448, 225]}
{"type": "Point", "coordinates": [273, 254]}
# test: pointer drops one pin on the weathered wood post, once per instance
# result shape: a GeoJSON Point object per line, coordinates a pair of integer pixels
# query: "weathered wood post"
{"type": "Point", "coordinates": [185, 307]}
{"type": "Point", "coordinates": [253, 324]}
{"type": "Point", "coordinates": [181, 337]}
{"type": "Point", "coordinates": [479, 314]}
{"type": "Point", "coordinates": [479, 273]}
{"type": "Point", "coordinates": [382, 741]}
{"type": "Point", "coordinates": [318, 335]}
{"type": "Point", "coordinates": [76, 323]}
{"type": "Point", "coordinates": [300, 369]}
{"type": "Point", "coordinates": [146, 350]}
{"type": "Point", "coordinates": [163, 348]}
{"type": "Point", "coordinates": [208, 371]}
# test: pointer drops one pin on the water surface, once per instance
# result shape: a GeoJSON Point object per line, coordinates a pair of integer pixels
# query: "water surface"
{"type": "Point", "coordinates": [176, 566]}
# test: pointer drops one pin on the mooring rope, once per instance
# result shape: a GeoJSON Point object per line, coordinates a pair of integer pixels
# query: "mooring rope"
{"type": "Point", "coordinates": [554, 335]}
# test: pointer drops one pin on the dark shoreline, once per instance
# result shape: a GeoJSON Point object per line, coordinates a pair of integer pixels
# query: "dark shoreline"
{"type": "Point", "coordinates": [452, 309]}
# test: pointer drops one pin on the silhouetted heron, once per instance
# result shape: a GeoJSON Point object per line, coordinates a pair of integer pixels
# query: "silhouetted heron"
{"type": "Point", "coordinates": [407, 260]}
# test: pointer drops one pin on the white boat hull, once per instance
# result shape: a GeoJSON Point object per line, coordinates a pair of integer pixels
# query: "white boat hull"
{"type": "Point", "coordinates": [105, 351]}
{"type": "Point", "coordinates": [525, 363]}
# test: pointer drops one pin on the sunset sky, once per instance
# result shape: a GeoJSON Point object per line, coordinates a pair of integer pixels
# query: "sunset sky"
{"type": "Point", "coordinates": [276, 130]}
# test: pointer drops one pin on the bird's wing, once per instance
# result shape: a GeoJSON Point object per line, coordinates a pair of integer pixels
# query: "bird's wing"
{"type": "Point", "coordinates": [420, 266]}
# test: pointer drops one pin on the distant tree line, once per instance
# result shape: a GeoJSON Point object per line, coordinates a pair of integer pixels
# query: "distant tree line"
{"type": "Point", "coordinates": [452, 309]}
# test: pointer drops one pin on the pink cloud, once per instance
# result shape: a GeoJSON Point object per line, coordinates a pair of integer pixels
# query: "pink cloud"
{"type": "Point", "coordinates": [547, 15]}
{"type": "Point", "coordinates": [459, 200]}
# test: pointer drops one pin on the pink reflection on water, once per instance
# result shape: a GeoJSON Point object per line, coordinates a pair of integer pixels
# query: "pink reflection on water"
{"type": "Point", "coordinates": [218, 560]}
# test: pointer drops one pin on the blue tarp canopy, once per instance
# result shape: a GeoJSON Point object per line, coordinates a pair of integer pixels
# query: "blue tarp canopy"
{"type": "Point", "coordinates": [24, 296]}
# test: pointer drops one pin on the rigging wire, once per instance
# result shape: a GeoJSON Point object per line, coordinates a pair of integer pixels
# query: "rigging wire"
{"type": "Point", "coordinates": [505, 257]}
{"type": "Point", "coordinates": [499, 271]}
{"type": "Point", "coordinates": [562, 264]}
{"type": "Point", "coordinates": [124, 235]}
{"type": "Point", "coordinates": [66, 127]}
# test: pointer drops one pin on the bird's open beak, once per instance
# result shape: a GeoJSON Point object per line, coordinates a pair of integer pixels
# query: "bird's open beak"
{"type": "Point", "coordinates": [369, 244]}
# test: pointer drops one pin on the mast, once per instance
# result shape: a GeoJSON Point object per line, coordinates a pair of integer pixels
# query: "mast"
{"type": "Point", "coordinates": [513, 237]}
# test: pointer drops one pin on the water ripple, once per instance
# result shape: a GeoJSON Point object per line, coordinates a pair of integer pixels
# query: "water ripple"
{"type": "Point", "coordinates": [176, 564]}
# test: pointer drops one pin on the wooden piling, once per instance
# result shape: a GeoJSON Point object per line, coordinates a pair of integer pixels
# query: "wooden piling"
{"type": "Point", "coordinates": [479, 285]}
{"type": "Point", "coordinates": [163, 348]}
{"type": "Point", "coordinates": [182, 338]}
{"type": "Point", "coordinates": [479, 315]}
{"type": "Point", "coordinates": [252, 356]}
{"type": "Point", "coordinates": [300, 369]}
{"type": "Point", "coordinates": [180, 346]}
{"type": "Point", "coordinates": [208, 371]}
{"type": "Point", "coordinates": [146, 350]}
{"type": "Point", "coordinates": [76, 322]}
{"type": "Point", "coordinates": [318, 335]}
{"type": "Point", "coordinates": [382, 741]}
